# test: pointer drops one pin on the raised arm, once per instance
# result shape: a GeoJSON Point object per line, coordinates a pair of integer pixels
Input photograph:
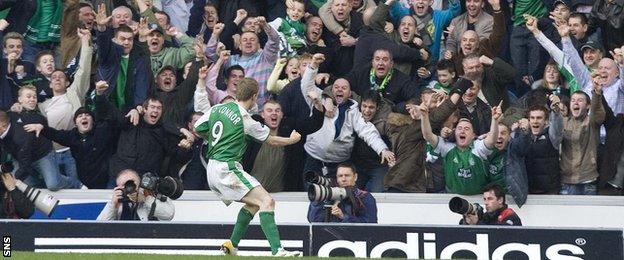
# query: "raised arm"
{"type": "Point", "coordinates": [504, 71]}
{"type": "Point", "coordinates": [378, 19]}
{"type": "Point", "coordinates": [452, 41]}
{"type": "Point", "coordinates": [307, 79]}
{"type": "Point", "coordinates": [555, 121]}
{"type": "Point", "coordinates": [597, 113]}
{"type": "Point", "coordinates": [328, 19]}
{"type": "Point", "coordinates": [180, 56]}
{"type": "Point", "coordinates": [547, 44]}
{"type": "Point", "coordinates": [187, 87]}
{"type": "Point", "coordinates": [77, 91]}
{"type": "Point", "coordinates": [425, 126]}
{"type": "Point", "coordinates": [499, 29]}
{"type": "Point", "coordinates": [201, 102]}
{"type": "Point", "coordinates": [104, 36]}
{"type": "Point", "coordinates": [271, 47]}
{"type": "Point", "coordinates": [579, 70]}
{"type": "Point", "coordinates": [211, 46]}
{"type": "Point", "coordinates": [497, 115]}
{"type": "Point", "coordinates": [215, 94]}
{"type": "Point", "coordinates": [272, 84]}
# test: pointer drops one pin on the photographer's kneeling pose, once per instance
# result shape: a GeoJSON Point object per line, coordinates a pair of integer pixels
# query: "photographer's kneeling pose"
{"type": "Point", "coordinates": [131, 202]}
{"type": "Point", "coordinates": [496, 210]}
{"type": "Point", "coordinates": [355, 206]}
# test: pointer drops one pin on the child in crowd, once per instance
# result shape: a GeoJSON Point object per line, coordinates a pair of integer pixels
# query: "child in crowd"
{"type": "Point", "coordinates": [446, 76]}
{"type": "Point", "coordinates": [285, 71]}
{"type": "Point", "coordinates": [291, 29]}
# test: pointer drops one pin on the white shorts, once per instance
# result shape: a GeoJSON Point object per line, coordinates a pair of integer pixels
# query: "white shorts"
{"type": "Point", "coordinates": [229, 180]}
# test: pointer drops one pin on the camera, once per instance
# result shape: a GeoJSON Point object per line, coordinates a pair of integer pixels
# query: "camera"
{"type": "Point", "coordinates": [318, 193]}
{"type": "Point", "coordinates": [44, 202]}
{"type": "Point", "coordinates": [167, 186]}
{"type": "Point", "coordinates": [6, 167]}
{"type": "Point", "coordinates": [316, 178]}
{"type": "Point", "coordinates": [463, 207]}
{"type": "Point", "coordinates": [128, 188]}
{"type": "Point", "coordinates": [324, 188]}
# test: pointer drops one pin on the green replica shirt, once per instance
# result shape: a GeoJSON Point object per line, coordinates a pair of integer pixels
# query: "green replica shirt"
{"type": "Point", "coordinates": [465, 171]}
{"type": "Point", "coordinates": [497, 161]}
{"type": "Point", "coordinates": [226, 127]}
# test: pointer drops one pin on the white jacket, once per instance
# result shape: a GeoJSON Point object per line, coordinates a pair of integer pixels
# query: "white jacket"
{"type": "Point", "coordinates": [163, 211]}
{"type": "Point", "coordinates": [322, 146]}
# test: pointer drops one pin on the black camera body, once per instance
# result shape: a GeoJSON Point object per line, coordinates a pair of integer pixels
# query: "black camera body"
{"type": "Point", "coordinates": [7, 167]}
{"type": "Point", "coordinates": [167, 186]}
{"type": "Point", "coordinates": [128, 188]}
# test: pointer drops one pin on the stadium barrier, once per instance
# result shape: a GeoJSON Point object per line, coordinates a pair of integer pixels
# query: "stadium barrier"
{"type": "Point", "coordinates": [360, 240]}
{"type": "Point", "coordinates": [393, 208]}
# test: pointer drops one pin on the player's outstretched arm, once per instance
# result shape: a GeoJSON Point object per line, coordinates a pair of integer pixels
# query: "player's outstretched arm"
{"type": "Point", "coordinates": [283, 141]}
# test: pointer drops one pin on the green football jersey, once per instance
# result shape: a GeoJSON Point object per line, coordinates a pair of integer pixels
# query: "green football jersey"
{"type": "Point", "coordinates": [465, 171]}
{"type": "Point", "coordinates": [225, 128]}
{"type": "Point", "coordinates": [497, 163]}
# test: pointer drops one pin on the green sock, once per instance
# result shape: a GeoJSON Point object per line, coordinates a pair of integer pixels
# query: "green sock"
{"type": "Point", "coordinates": [242, 222]}
{"type": "Point", "coordinates": [267, 222]}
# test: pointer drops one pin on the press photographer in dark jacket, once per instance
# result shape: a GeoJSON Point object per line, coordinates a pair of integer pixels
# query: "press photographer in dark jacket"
{"type": "Point", "coordinates": [496, 210]}
{"type": "Point", "coordinates": [359, 208]}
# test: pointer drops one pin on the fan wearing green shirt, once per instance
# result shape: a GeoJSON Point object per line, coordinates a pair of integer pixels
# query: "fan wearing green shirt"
{"type": "Point", "coordinates": [464, 162]}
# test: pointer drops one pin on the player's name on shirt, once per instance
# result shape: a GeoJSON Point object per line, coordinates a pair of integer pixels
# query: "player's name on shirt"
{"type": "Point", "coordinates": [227, 112]}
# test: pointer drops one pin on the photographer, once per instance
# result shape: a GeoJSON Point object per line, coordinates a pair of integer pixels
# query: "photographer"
{"type": "Point", "coordinates": [358, 207]}
{"type": "Point", "coordinates": [14, 205]}
{"type": "Point", "coordinates": [496, 210]}
{"type": "Point", "coordinates": [129, 202]}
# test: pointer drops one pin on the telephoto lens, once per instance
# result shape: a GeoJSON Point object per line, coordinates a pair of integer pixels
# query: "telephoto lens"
{"type": "Point", "coordinates": [318, 193]}
{"type": "Point", "coordinates": [44, 202]}
{"type": "Point", "coordinates": [167, 186]}
{"type": "Point", "coordinates": [316, 178]}
{"type": "Point", "coordinates": [461, 206]}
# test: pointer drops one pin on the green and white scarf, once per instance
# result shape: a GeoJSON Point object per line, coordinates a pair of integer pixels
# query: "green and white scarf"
{"type": "Point", "coordinates": [384, 82]}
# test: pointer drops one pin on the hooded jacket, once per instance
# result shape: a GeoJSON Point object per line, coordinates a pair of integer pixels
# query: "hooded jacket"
{"type": "Point", "coordinates": [322, 145]}
{"type": "Point", "coordinates": [408, 144]}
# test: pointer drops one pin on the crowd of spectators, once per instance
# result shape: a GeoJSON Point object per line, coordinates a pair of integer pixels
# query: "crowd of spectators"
{"type": "Point", "coordinates": [419, 95]}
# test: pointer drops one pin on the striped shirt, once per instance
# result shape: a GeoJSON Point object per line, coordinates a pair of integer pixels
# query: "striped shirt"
{"type": "Point", "coordinates": [257, 66]}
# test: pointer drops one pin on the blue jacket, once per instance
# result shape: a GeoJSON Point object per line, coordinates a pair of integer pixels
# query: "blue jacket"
{"type": "Point", "coordinates": [441, 19]}
{"type": "Point", "coordinates": [515, 170]}
{"type": "Point", "coordinates": [139, 76]}
{"type": "Point", "coordinates": [316, 210]}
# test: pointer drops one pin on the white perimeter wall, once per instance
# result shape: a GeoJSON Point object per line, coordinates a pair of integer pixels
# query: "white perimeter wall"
{"type": "Point", "coordinates": [292, 207]}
